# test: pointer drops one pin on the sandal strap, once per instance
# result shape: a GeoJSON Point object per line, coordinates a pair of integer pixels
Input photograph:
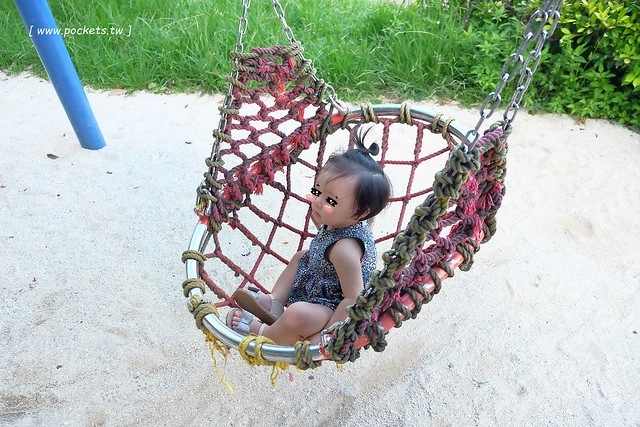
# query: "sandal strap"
{"type": "Point", "coordinates": [261, 330]}
{"type": "Point", "coordinates": [244, 326]}
{"type": "Point", "coordinates": [276, 304]}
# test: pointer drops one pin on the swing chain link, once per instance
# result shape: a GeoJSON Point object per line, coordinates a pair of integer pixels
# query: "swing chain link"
{"type": "Point", "coordinates": [288, 32]}
{"type": "Point", "coordinates": [228, 99]}
{"type": "Point", "coordinates": [534, 31]}
{"type": "Point", "coordinates": [203, 189]}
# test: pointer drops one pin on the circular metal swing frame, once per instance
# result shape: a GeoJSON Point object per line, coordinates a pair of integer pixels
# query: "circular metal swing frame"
{"type": "Point", "coordinates": [277, 353]}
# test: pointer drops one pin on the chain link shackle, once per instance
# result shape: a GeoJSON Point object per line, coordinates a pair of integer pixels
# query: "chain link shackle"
{"type": "Point", "coordinates": [534, 31]}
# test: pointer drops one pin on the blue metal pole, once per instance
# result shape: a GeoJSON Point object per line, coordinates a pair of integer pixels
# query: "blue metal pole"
{"type": "Point", "coordinates": [47, 39]}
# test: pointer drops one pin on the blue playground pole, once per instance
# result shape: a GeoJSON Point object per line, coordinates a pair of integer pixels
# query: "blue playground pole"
{"type": "Point", "coordinates": [37, 17]}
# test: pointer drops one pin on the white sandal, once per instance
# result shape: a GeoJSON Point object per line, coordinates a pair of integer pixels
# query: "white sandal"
{"type": "Point", "coordinates": [249, 300]}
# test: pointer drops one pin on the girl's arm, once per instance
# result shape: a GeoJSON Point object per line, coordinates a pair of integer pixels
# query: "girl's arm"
{"type": "Point", "coordinates": [346, 256]}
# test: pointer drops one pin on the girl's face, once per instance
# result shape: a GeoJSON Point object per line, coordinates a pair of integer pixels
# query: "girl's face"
{"type": "Point", "coordinates": [332, 201]}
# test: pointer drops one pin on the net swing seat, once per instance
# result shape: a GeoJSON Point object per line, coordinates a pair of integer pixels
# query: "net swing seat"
{"type": "Point", "coordinates": [278, 124]}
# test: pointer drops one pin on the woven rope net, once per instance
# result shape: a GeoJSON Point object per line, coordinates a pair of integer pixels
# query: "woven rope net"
{"type": "Point", "coordinates": [276, 131]}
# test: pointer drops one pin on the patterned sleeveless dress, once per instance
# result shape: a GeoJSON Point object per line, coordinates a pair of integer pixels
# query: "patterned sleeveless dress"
{"type": "Point", "coordinates": [316, 278]}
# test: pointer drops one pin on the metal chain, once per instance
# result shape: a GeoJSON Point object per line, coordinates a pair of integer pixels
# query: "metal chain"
{"type": "Point", "coordinates": [534, 31]}
{"type": "Point", "coordinates": [233, 76]}
{"type": "Point", "coordinates": [288, 32]}
{"type": "Point", "coordinates": [222, 124]}
{"type": "Point", "coordinates": [239, 47]}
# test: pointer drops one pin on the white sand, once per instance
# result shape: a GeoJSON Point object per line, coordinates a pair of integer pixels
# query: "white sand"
{"type": "Point", "coordinates": [94, 329]}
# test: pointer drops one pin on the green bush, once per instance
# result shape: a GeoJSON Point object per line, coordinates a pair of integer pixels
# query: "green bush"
{"type": "Point", "coordinates": [610, 32]}
{"type": "Point", "coordinates": [594, 70]}
{"type": "Point", "coordinates": [489, 32]}
{"type": "Point", "coordinates": [590, 67]}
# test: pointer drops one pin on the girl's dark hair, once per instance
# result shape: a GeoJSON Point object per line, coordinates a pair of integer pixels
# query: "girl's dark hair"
{"type": "Point", "coordinates": [373, 188]}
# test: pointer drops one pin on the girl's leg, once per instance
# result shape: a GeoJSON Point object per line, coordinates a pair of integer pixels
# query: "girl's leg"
{"type": "Point", "coordinates": [282, 288]}
{"type": "Point", "coordinates": [268, 307]}
{"type": "Point", "coordinates": [300, 320]}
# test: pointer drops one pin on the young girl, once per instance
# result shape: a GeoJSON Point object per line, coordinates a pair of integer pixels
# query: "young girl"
{"type": "Point", "coordinates": [319, 284]}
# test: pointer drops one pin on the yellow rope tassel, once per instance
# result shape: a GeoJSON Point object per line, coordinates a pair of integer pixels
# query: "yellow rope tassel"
{"type": "Point", "coordinates": [216, 345]}
{"type": "Point", "coordinates": [278, 368]}
{"type": "Point", "coordinates": [257, 359]}
{"type": "Point", "coordinates": [200, 308]}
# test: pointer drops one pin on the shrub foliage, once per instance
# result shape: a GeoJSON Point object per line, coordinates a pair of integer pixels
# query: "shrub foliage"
{"type": "Point", "coordinates": [591, 66]}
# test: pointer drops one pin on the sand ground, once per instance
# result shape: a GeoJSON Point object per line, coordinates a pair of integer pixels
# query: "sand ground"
{"type": "Point", "coordinates": [94, 329]}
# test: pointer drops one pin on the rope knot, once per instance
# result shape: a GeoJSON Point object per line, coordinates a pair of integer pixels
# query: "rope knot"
{"type": "Point", "coordinates": [462, 161]}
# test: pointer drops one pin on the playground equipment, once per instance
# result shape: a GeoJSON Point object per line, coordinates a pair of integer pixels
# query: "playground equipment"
{"type": "Point", "coordinates": [37, 17]}
{"type": "Point", "coordinates": [277, 123]}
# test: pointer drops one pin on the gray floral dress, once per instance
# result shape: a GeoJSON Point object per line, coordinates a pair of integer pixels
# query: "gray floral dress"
{"type": "Point", "coordinates": [316, 278]}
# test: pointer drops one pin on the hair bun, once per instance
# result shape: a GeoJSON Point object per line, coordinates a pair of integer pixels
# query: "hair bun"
{"type": "Point", "coordinates": [358, 141]}
{"type": "Point", "coordinates": [373, 149]}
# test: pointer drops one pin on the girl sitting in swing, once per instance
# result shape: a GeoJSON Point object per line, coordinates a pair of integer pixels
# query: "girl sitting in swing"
{"type": "Point", "coordinates": [319, 284]}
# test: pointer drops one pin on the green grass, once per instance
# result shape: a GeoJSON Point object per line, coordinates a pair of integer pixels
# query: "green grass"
{"type": "Point", "coordinates": [365, 49]}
